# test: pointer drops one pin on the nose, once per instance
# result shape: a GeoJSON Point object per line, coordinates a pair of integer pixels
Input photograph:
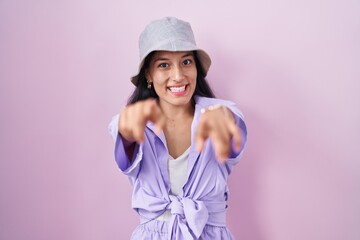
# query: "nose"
{"type": "Point", "coordinates": [177, 73]}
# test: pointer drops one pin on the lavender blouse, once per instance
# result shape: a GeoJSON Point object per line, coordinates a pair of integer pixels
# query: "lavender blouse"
{"type": "Point", "coordinates": [203, 199]}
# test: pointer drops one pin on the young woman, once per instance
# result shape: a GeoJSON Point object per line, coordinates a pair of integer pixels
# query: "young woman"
{"type": "Point", "coordinates": [175, 141]}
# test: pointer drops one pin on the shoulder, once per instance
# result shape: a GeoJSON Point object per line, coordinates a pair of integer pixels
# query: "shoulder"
{"type": "Point", "coordinates": [205, 102]}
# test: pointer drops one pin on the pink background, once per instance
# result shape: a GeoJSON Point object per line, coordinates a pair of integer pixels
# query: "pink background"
{"type": "Point", "coordinates": [293, 67]}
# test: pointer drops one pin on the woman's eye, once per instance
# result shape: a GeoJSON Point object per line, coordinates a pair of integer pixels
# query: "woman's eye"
{"type": "Point", "coordinates": [163, 65]}
{"type": "Point", "coordinates": [187, 62]}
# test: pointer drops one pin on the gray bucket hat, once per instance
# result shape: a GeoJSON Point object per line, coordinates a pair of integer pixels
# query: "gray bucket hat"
{"type": "Point", "coordinates": [169, 34]}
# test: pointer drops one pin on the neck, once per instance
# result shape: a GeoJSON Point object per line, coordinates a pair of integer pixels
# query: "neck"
{"type": "Point", "coordinates": [175, 113]}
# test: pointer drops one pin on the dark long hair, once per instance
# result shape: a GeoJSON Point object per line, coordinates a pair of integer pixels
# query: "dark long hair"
{"type": "Point", "coordinates": [141, 91]}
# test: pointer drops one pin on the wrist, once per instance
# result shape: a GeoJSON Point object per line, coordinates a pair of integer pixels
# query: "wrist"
{"type": "Point", "coordinates": [126, 143]}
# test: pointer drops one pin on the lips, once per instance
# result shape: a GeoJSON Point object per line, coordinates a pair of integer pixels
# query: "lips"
{"type": "Point", "coordinates": [178, 90]}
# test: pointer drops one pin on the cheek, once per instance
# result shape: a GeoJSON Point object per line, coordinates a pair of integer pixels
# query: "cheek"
{"type": "Point", "coordinates": [159, 76]}
{"type": "Point", "coordinates": [159, 81]}
{"type": "Point", "coordinates": [159, 86]}
{"type": "Point", "coordinates": [156, 78]}
{"type": "Point", "coordinates": [194, 76]}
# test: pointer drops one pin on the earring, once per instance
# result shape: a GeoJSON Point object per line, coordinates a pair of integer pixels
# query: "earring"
{"type": "Point", "coordinates": [148, 84]}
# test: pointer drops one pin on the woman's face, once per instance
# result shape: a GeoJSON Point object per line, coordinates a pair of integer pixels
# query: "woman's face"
{"type": "Point", "coordinates": [173, 75]}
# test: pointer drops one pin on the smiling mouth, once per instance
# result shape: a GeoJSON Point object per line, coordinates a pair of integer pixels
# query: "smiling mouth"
{"type": "Point", "coordinates": [178, 89]}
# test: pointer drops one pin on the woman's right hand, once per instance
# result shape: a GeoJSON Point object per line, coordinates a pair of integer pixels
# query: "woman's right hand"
{"type": "Point", "coordinates": [133, 119]}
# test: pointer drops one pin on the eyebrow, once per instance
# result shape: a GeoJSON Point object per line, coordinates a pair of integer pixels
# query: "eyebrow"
{"type": "Point", "coordinates": [165, 59]}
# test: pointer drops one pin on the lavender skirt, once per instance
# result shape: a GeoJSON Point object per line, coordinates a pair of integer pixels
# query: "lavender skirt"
{"type": "Point", "coordinates": [158, 230]}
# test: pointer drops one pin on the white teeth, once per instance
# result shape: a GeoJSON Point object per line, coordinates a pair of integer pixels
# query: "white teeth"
{"type": "Point", "coordinates": [177, 89]}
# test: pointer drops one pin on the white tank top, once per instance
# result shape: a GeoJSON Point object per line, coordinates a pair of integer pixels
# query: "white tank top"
{"type": "Point", "coordinates": [177, 169]}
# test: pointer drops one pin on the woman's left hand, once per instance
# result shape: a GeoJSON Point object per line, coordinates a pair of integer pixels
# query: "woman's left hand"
{"type": "Point", "coordinates": [218, 123]}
